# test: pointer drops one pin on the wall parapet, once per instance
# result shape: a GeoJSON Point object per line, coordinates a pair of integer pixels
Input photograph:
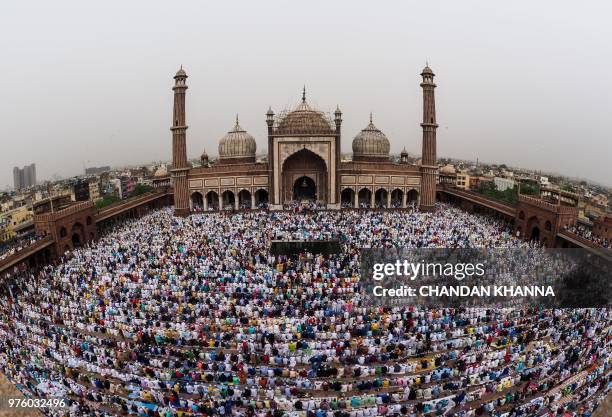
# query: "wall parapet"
{"type": "Point", "coordinates": [25, 252]}
{"type": "Point", "coordinates": [556, 208]}
{"type": "Point", "coordinates": [73, 208]}
{"type": "Point", "coordinates": [131, 203]}
{"type": "Point", "coordinates": [479, 199]}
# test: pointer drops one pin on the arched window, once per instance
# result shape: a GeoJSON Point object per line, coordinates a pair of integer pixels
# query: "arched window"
{"type": "Point", "coordinates": [365, 198]}
{"type": "Point", "coordinates": [244, 199]}
{"type": "Point", "coordinates": [413, 197]}
{"type": "Point", "coordinates": [380, 198]}
{"type": "Point", "coordinates": [397, 197]}
{"type": "Point", "coordinates": [347, 197]}
{"type": "Point", "coordinates": [261, 198]}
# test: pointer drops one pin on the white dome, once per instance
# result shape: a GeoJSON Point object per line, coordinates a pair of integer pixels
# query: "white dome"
{"type": "Point", "coordinates": [237, 143]}
{"type": "Point", "coordinates": [162, 171]}
{"type": "Point", "coordinates": [448, 169]}
{"type": "Point", "coordinates": [371, 143]}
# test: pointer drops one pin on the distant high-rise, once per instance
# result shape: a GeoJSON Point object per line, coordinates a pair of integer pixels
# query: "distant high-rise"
{"type": "Point", "coordinates": [29, 174]}
{"type": "Point", "coordinates": [97, 170]}
{"type": "Point", "coordinates": [24, 177]}
{"type": "Point", "coordinates": [81, 191]}
{"type": "Point", "coordinates": [17, 178]}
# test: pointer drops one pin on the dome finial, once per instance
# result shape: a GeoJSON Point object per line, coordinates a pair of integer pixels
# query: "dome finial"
{"type": "Point", "coordinates": [371, 143]}
{"type": "Point", "coordinates": [237, 127]}
{"type": "Point", "coordinates": [237, 143]}
{"type": "Point", "coordinates": [304, 94]}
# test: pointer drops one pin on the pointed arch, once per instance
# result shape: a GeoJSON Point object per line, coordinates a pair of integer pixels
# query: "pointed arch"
{"type": "Point", "coordinates": [347, 197]}
{"type": "Point", "coordinates": [365, 197]}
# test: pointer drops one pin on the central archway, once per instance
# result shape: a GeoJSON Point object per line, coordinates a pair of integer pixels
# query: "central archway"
{"type": "Point", "coordinates": [77, 235]}
{"type": "Point", "coordinates": [533, 228]}
{"type": "Point", "coordinates": [304, 188]}
{"type": "Point", "coordinates": [76, 240]}
{"type": "Point", "coordinates": [304, 176]}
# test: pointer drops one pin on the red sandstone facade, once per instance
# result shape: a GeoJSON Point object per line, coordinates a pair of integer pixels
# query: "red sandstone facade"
{"type": "Point", "coordinates": [602, 227]}
{"type": "Point", "coordinates": [180, 167]}
{"type": "Point", "coordinates": [540, 220]}
{"type": "Point", "coordinates": [429, 164]}
{"type": "Point", "coordinates": [303, 163]}
{"type": "Point", "coordinates": [69, 227]}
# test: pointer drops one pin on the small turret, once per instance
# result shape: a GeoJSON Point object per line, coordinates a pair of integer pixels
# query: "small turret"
{"type": "Point", "coordinates": [204, 158]}
{"type": "Point", "coordinates": [404, 156]}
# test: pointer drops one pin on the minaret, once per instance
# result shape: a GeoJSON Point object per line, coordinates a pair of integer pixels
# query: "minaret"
{"type": "Point", "coordinates": [180, 166]}
{"type": "Point", "coordinates": [270, 123]}
{"type": "Point", "coordinates": [429, 163]}
{"type": "Point", "coordinates": [338, 122]}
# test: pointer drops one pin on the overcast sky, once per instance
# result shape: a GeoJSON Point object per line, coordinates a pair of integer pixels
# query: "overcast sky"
{"type": "Point", "coordinates": [527, 83]}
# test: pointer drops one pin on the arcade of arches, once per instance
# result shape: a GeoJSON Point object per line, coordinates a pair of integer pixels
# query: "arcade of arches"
{"type": "Point", "coordinates": [305, 188]}
{"type": "Point", "coordinates": [366, 197]}
{"type": "Point", "coordinates": [228, 199]}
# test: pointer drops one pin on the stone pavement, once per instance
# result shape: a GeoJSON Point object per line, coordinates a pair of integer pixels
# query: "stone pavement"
{"type": "Point", "coordinates": [8, 390]}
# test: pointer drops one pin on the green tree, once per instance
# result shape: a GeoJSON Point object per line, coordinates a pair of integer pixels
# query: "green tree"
{"type": "Point", "coordinates": [140, 189]}
{"type": "Point", "coordinates": [528, 188]}
{"type": "Point", "coordinates": [508, 196]}
{"type": "Point", "coordinates": [568, 187]}
{"type": "Point", "coordinates": [106, 201]}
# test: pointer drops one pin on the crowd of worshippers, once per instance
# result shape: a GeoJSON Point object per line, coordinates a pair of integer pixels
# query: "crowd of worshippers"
{"type": "Point", "coordinates": [588, 234]}
{"type": "Point", "coordinates": [166, 316]}
{"type": "Point", "coordinates": [17, 243]}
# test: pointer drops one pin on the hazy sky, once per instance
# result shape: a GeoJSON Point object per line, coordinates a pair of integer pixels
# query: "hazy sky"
{"type": "Point", "coordinates": [528, 83]}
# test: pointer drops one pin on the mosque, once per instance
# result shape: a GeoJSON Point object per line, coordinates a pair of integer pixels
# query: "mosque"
{"type": "Point", "coordinates": [303, 162]}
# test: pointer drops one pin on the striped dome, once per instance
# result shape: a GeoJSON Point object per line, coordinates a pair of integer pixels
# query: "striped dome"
{"type": "Point", "coordinates": [371, 143]}
{"type": "Point", "coordinates": [237, 143]}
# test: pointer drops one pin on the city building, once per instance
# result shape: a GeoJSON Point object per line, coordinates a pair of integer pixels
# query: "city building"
{"type": "Point", "coordinates": [11, 221]}
{"type": "Point", "coordinates": [463, 180]}
{"type": "Point", "coordinates": [81, 190]}
{"type": "Point", "coordinates": [94, 190]}
{"type": "Point", "coordinates": [24, 177]}
{"type": "Point", "coordinates": [303, 162]}
{"type": "Point", "coordinates": [96, 170]}
{"type": "Point", "coordinates": [447, 175]}
{"type": "Point", "coordinates": [503, 184]}
{"type": "Point", "coordinates": [479, 181]}
{"type": "Point", "coordinates": [126, 186]}
{"type": "Point", "coordinates": [5, 231]}
{"type": "Point", "coordinates": [600, 200]}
